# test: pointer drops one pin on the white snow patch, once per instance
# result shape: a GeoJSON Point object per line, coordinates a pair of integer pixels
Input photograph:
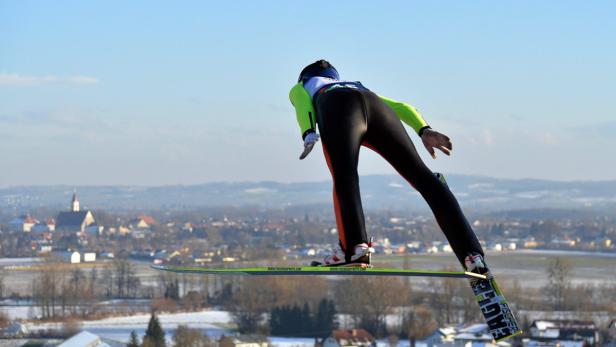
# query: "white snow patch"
{"type": "Point", "coordinates": [119, 328]}
{"type": "Point", "coordinates": [291, 341]}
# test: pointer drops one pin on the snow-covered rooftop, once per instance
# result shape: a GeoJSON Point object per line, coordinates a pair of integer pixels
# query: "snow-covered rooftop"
{"type": "Point", "coordinates": [84, 339]}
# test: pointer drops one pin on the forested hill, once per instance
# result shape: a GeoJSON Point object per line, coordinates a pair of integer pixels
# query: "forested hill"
{"type": "Point", "coordinates": [378, 191]}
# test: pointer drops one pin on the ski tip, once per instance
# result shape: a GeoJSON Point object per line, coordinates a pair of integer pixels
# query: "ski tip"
{"type": "Point", "coordinates": [519, 332]}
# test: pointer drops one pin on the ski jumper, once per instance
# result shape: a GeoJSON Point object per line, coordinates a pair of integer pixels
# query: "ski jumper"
{"type": "Point", "coordinates": [350, 116]}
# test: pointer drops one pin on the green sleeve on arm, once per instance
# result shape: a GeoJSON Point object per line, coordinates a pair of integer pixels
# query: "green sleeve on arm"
{"type": "Point", "coordinates": [407, 113]}
{"type": "Point", "coordinates": [304, 110]}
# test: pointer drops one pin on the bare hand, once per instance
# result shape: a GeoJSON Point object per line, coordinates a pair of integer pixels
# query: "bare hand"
{"type": "Point", "coordinates": [433, 139]}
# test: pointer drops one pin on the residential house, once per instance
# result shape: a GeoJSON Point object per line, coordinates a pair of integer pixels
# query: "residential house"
{"type": "Point", "coordinates": [71, 257]}
{"type": "Point", "coordinates": [23, 223]}
{"type": "Point", "coordinates": [87, 339]}
{"type": "Point", "coordinates": [473, 335]}
{"type": "Point", "coordinates": [573, 332]}
{"type": "Point", "coordinates": [14, 330]}
{"type": "Point", "coordinates": [440, 336]}
{"type": "Point", "coordinates": [349, 338]}
{"type": "Point", "coordinates": [89, 257]}
{"type": "Point", "coordinates": [143, 222]}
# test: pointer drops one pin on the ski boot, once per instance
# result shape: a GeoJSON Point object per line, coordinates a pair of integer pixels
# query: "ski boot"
{"type": "Point", "coordinates": [359, 258]}
{"type": "Point", "coordinates": [474, 263]}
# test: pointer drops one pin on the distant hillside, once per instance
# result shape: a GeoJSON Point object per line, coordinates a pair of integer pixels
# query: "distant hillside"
{"type": "Point", "coordinates": [378, 191]}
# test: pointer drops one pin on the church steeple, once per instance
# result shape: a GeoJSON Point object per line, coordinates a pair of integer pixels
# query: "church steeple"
{"type": "Point", "coordinates": [75, 202]}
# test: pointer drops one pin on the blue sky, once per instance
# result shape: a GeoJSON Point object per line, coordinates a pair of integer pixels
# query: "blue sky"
{"type": "Point", "coordinates": [146, 92]}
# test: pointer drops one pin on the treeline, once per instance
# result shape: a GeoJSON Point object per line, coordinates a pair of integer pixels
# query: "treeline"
{"type": "Point", "coordinates": [310, 306]}
{"type": "Point", "coordinates": [392, 306]}
{"type": "Point", "coordinates": [183, 336]}
{"type": "Point", "coordinates": [60, 290]}
{"type": "Point", "coordinates": [302, 321]}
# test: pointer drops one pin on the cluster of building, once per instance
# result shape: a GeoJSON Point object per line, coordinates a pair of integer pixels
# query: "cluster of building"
{"type": "Point", "coordinates": [80, 221]}
{"type": "Point", "coordinates": [543, 333]}
{"type": "Point", "coordinates": [400, 235]}
{"type": "Point", "coordinates": [73, 220]}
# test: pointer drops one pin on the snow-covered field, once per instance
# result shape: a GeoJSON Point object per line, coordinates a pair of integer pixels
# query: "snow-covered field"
{"type": "Point", "coordinates": [20, 312]}
{"type": "Point", "coordinates": [209, 322]}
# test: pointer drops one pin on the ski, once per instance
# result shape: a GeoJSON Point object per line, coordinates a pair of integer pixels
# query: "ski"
{"type": "Point", "coordinates": [495, 309]}
{"type": "Point", "coordinates": [315, 270]}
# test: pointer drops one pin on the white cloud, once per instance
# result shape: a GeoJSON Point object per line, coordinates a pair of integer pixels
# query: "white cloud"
{"type": "Point", "coordinates": [14, 79]}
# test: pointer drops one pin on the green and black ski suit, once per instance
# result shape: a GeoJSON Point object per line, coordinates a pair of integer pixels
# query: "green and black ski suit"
{"type": "Point", "coordinates": [350, 116]}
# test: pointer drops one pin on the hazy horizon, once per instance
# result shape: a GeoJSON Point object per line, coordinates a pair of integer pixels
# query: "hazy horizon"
{"type": "Point", "coordinates": [320, 180]}
{"type": "Point", "coordinates": [155, 94]}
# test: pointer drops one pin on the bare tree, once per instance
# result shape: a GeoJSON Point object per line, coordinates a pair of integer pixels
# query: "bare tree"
{"type": "Point", "coordinates": [607, 297]}
{"type": "Point", "coordinates": [107, 282]}
{"type": "Point", "coordinates": [70, 327]}
{"type": "Point", "coordinates": [2, 284]}
{"type": "Point", "coordinates": [4, 320]}
{"type": "Point", "coordinates": [369, 300]}
{"type": "Point", "coordinates": [250, 304]}
{"type": "Point", "coordinates": [92, 282]}
{"type": "Point", "coordinates": [125, 281]}
{"type": "Point", "coordinates": [559, 272]}
{"type": "Point", "coordinates": [184, 336]}
{"type": "Point", "coordinates": [47, 287]}
{"type": "Point", "coordinates": [447, 295]}
{"type": "Point", "coordinates": [420, 323]}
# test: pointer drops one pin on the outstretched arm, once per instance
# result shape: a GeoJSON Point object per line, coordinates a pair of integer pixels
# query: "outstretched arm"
{"type": "Point", "coordinates": [407, 113]}
{"type": "Point", "coordinates": [431, 139]}
{"type": "Point", "coordinates": [304, 111]}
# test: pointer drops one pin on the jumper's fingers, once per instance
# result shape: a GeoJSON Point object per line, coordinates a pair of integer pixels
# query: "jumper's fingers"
{"type": "Point", "coordinates": [444, 150]}
{"type": "Point", "coordinates": [449, 145]}
{"type": "Point", "coordinates": [430, 149]}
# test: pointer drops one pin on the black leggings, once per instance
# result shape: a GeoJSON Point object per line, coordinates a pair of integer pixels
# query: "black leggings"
{"type": "Point", "coordinates": [349, 118]}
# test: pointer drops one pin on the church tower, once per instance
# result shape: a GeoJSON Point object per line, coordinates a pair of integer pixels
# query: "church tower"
{"type": "Point", "coordinates": [75, 203]}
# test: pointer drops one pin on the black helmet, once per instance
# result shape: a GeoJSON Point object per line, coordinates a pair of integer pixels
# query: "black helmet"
{"type": "Point", "coordinates": [319, 68]}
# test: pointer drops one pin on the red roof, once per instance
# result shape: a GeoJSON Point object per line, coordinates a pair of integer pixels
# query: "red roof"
{"type": "Point", "coordinates": [353, 336]}
{"type": "Point", "coordinates": [28, 219]}
{"type": "Point", "coordinates": [149, 220]}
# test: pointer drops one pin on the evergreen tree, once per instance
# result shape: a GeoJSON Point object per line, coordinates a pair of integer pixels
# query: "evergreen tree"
{"type": "Point", "coordinates": [299, 320]}
{"type": "Point", "coordinates": [325, 318]}
{"type": "Point", "coordinates": [134, 340]}
{"type": "Point", "coordinates": [305, 325]}
{"type": "Point", "coordinates": [274, 322]}
{"type": "Point", "coordinates": [154, 335]}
